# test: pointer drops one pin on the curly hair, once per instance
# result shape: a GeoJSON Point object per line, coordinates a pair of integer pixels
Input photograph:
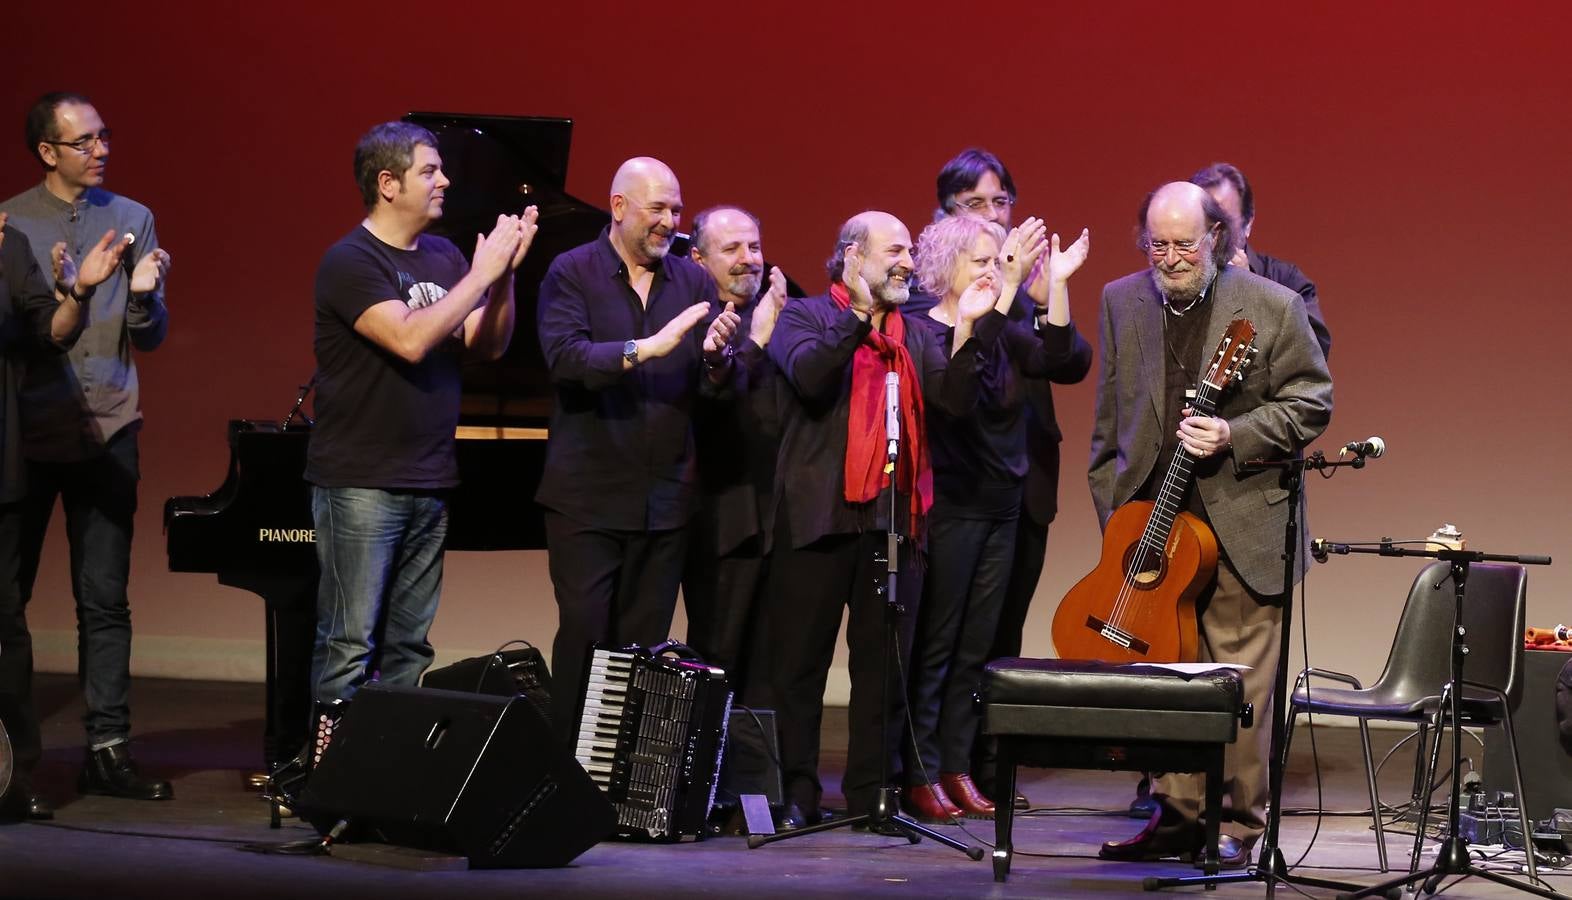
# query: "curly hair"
{"type": "Point", "coordinates": [944, 244]}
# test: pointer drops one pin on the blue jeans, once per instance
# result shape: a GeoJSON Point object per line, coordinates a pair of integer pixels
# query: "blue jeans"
{"type": "Point", "coordinates": [99, 498]}
{"type": "Point", "coordinates": [381, 559]}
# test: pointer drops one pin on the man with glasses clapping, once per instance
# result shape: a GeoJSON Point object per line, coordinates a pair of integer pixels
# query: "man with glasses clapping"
{"type": "Point", "coordinates": [81, 412]}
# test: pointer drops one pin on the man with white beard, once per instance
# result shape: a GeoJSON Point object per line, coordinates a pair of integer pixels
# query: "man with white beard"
{"type": "Point", "coordinates": [1159, 327]}
{"type": "Point", "coordinates": [834, 352]}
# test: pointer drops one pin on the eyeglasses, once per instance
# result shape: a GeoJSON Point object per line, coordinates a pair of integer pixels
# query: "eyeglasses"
{"type": "Point", "coordinates": [1186, 249]}
{"type": "Point", "coordinates": [85, 144]}
{"type": "Point", "coordinates": [978, 204]}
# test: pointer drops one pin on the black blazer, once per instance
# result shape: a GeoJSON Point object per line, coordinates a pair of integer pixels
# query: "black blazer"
{"type": "Point", "coordinates": [812, 348]}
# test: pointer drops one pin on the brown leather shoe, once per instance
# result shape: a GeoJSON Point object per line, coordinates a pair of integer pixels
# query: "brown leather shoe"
{"type": "Point", "coordinates": [1155, 841]}
{"type": "Point", "coordinates": [964, 794]}
{"type": "Point", "coordinates": [927, 803]}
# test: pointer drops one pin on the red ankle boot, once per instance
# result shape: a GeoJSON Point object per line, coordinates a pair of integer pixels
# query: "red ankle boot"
{"type": "Point", "coordinates": [965, 795]}
{"type": "Point", "coordinates": [927, 803]}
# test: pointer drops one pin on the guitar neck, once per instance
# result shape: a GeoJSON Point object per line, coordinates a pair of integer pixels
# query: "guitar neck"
{"type": "Point", "coordinates": [1181, 470]}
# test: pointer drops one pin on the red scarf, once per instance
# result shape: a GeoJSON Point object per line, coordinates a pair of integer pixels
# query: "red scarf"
{"type": "Point", "coordinates": [866, 446]}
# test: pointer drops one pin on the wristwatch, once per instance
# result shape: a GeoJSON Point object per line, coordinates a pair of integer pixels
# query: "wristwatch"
{"type": "Point", "coordinates": [630, 352]}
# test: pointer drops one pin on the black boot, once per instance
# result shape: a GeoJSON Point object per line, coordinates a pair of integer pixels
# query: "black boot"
{"type": "Point", "coordinates": [112, 772]}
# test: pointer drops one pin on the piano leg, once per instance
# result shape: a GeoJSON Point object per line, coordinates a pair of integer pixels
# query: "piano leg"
{"type": "Point", "coordinates": [291, 622]}
{"type": "Point", "coordinates": [291, 633]}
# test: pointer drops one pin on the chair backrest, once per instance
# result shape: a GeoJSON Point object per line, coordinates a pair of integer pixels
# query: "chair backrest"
{"type": "Point", "coordinates": [1420, 661]}
{"type": "Point", "coordinates": [1494, 607]}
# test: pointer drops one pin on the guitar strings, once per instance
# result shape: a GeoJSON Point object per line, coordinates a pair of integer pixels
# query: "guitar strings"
{"type": "Point", "coordinates": [1168, 493]}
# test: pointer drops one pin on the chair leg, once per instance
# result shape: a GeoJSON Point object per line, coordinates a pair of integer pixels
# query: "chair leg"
{"type": "Point", "coordinates": [1004, 808]}
{"type": "Point", "coordinates": [1432, 761]}
{"type": "Point", "coordinates": [1517, 785]}
{"type": "Point", "coordinates": [1375, 797]}
{"type": "Point", "coordinates": [1422, 739]}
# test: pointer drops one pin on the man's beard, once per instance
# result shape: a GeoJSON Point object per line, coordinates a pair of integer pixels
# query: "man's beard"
{"type": "Point", "coordinates": [744, 283]}
{"type": "Point", "coordinates": [893, 293]}
{"type": "Point", "coordinates": [1185, 285]}
{"type": "Point", "coordinates": [656, 245]}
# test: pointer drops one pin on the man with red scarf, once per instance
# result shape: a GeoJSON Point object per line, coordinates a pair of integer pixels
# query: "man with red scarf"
{"type": "Point", "coordinates": [831, 509]}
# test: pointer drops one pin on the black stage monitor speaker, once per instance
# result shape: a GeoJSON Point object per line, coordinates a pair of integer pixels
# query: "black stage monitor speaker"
{"type": "Point", "coordinates": [750, 764]}
{"type": "Point", "coordinates": [472, 774]}
{"type": "Point", "coordinates": [1547, 764]}
{"type": "Point", "coordinates": [519, 671]}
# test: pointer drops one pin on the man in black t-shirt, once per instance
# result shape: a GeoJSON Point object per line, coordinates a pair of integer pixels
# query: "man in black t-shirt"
{"type": "Point", "coordinates": [396, 311]}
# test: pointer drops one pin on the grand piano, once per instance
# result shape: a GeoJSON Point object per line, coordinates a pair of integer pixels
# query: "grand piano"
{"type": "Point", "coordinates": [255, 531]}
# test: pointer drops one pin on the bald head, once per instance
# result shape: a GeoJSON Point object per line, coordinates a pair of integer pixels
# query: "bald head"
{"type": "Point", "coordinates": [886, 248]}
{"type": "Point", "coordinates": [1178, 204]}
{"type": "Point", "coordinates": [642, 174]}
{"type": "Point", "coordinates": [646, 205]}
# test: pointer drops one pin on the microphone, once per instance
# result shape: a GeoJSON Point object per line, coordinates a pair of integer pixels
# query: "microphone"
{"type": "Point", "coordinates": [1372, 447]}
{"type": "Point", "coordinates": [1321, 548]}
{"type": "Point", "coordinates": [892, 413]}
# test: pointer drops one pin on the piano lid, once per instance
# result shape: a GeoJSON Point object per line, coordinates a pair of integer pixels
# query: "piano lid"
{"type": "Point", "coordinates": [497, 165]}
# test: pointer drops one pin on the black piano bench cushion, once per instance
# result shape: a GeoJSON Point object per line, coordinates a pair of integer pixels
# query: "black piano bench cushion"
{"type": "Point", "coordinates": [1081, 699]}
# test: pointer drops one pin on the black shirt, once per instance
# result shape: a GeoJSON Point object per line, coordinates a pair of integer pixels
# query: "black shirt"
{"type": "Point", "coordinates": [621, 452]}
{"type": "Point", "coordinates": [27, 307]}
{"type": "Point", "coordinates": [979, 459]}
{"type": "Point", "coordinates": [1183, 340]}
{"type": "Point", "coordinates": [383, 422]}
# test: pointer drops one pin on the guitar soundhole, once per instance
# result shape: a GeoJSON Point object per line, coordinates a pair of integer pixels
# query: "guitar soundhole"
{"type": "Point", "coordinates": [1145, 569]}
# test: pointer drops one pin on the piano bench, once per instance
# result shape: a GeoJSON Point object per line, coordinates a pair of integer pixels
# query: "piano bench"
{"type": "Point", "coordinates": [1077, 714]}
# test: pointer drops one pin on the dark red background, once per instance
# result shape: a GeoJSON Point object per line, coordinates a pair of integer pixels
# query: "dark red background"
{"type": "Point", "coordinates": [1412, 157]}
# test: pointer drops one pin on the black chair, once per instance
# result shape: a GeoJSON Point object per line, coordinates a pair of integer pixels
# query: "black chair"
{"type": "Point", "coordinates": [1414, 685]}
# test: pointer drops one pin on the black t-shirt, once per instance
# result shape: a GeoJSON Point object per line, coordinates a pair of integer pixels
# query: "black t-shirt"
{"type": "Point", "coordinates": [383, 422]}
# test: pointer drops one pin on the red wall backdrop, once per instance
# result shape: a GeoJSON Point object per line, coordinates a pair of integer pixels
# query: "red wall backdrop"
{"type": "Point", "coordinates": [1412, 157]}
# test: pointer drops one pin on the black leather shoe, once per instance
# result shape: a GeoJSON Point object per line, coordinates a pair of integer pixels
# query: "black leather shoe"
{"type": "Point", "coordinates": [1155, 841]}
{"type": "Point", "coordinates": [1231, 853]}
{"type": "Point", "coordinates": [39, 810]}
{"type": "Point", "coordinates": [1020, 802]}
{"type": "Point", "coordinates": [113, 773]}
{"type": "Point", "coordinates": [792, 818]}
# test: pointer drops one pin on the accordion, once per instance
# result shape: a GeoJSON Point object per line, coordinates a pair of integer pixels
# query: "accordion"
{"type": "Point", "coordinates": [651, 736]}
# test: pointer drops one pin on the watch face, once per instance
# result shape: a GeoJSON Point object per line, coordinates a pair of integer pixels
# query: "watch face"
{"type": "Point", "coordinates": [630, 351]}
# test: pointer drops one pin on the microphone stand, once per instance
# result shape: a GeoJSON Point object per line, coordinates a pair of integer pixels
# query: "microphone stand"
{"type": "Point", "coordinates": [1453, 858]}
{"type": "Point", "coordinates": [300, 400]}
{"type": "Point", "coordinates": [886, 816]}
{"type": "Point", "coordinates": [1270, 866]}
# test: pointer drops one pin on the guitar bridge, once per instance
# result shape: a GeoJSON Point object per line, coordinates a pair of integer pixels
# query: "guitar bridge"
{"type": "Point", "coordinates": [1122, 638]}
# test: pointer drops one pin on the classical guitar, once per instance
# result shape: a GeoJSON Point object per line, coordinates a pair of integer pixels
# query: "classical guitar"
{"type": "Point", "coordinates": [1138, 605]}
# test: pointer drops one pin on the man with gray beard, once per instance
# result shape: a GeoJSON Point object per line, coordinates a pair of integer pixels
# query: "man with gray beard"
{"type": "Point", "coordinates": [1159, 327]}
{"type": "Point", "coordinates": [736, 439]}
{"type": "Point", "coordinates": [834, 352]}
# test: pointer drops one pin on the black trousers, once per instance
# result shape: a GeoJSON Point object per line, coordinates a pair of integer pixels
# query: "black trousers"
{"type": "Point", "coordinates": [98, 495]}
{"type": "Point", "coordinates": [16, 655]}
{"type": "Point", "coordinates": [969, 565]}
{"type": "Point", "coordinates": [1026, 569]}
{"type": "Point", "coordinates": [618, 587]}
{"type": "Point", "coordinates": [723, 598]}
{"type": "Point", "coordinates": [808, 590]}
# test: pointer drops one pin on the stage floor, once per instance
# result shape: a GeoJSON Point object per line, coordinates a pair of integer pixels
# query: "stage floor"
{"type": "Point", "coordinates": [205, 736]}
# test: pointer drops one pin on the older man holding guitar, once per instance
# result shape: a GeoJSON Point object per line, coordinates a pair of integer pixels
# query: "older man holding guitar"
{"type": "Point", "coordinates": [1158, 330]}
